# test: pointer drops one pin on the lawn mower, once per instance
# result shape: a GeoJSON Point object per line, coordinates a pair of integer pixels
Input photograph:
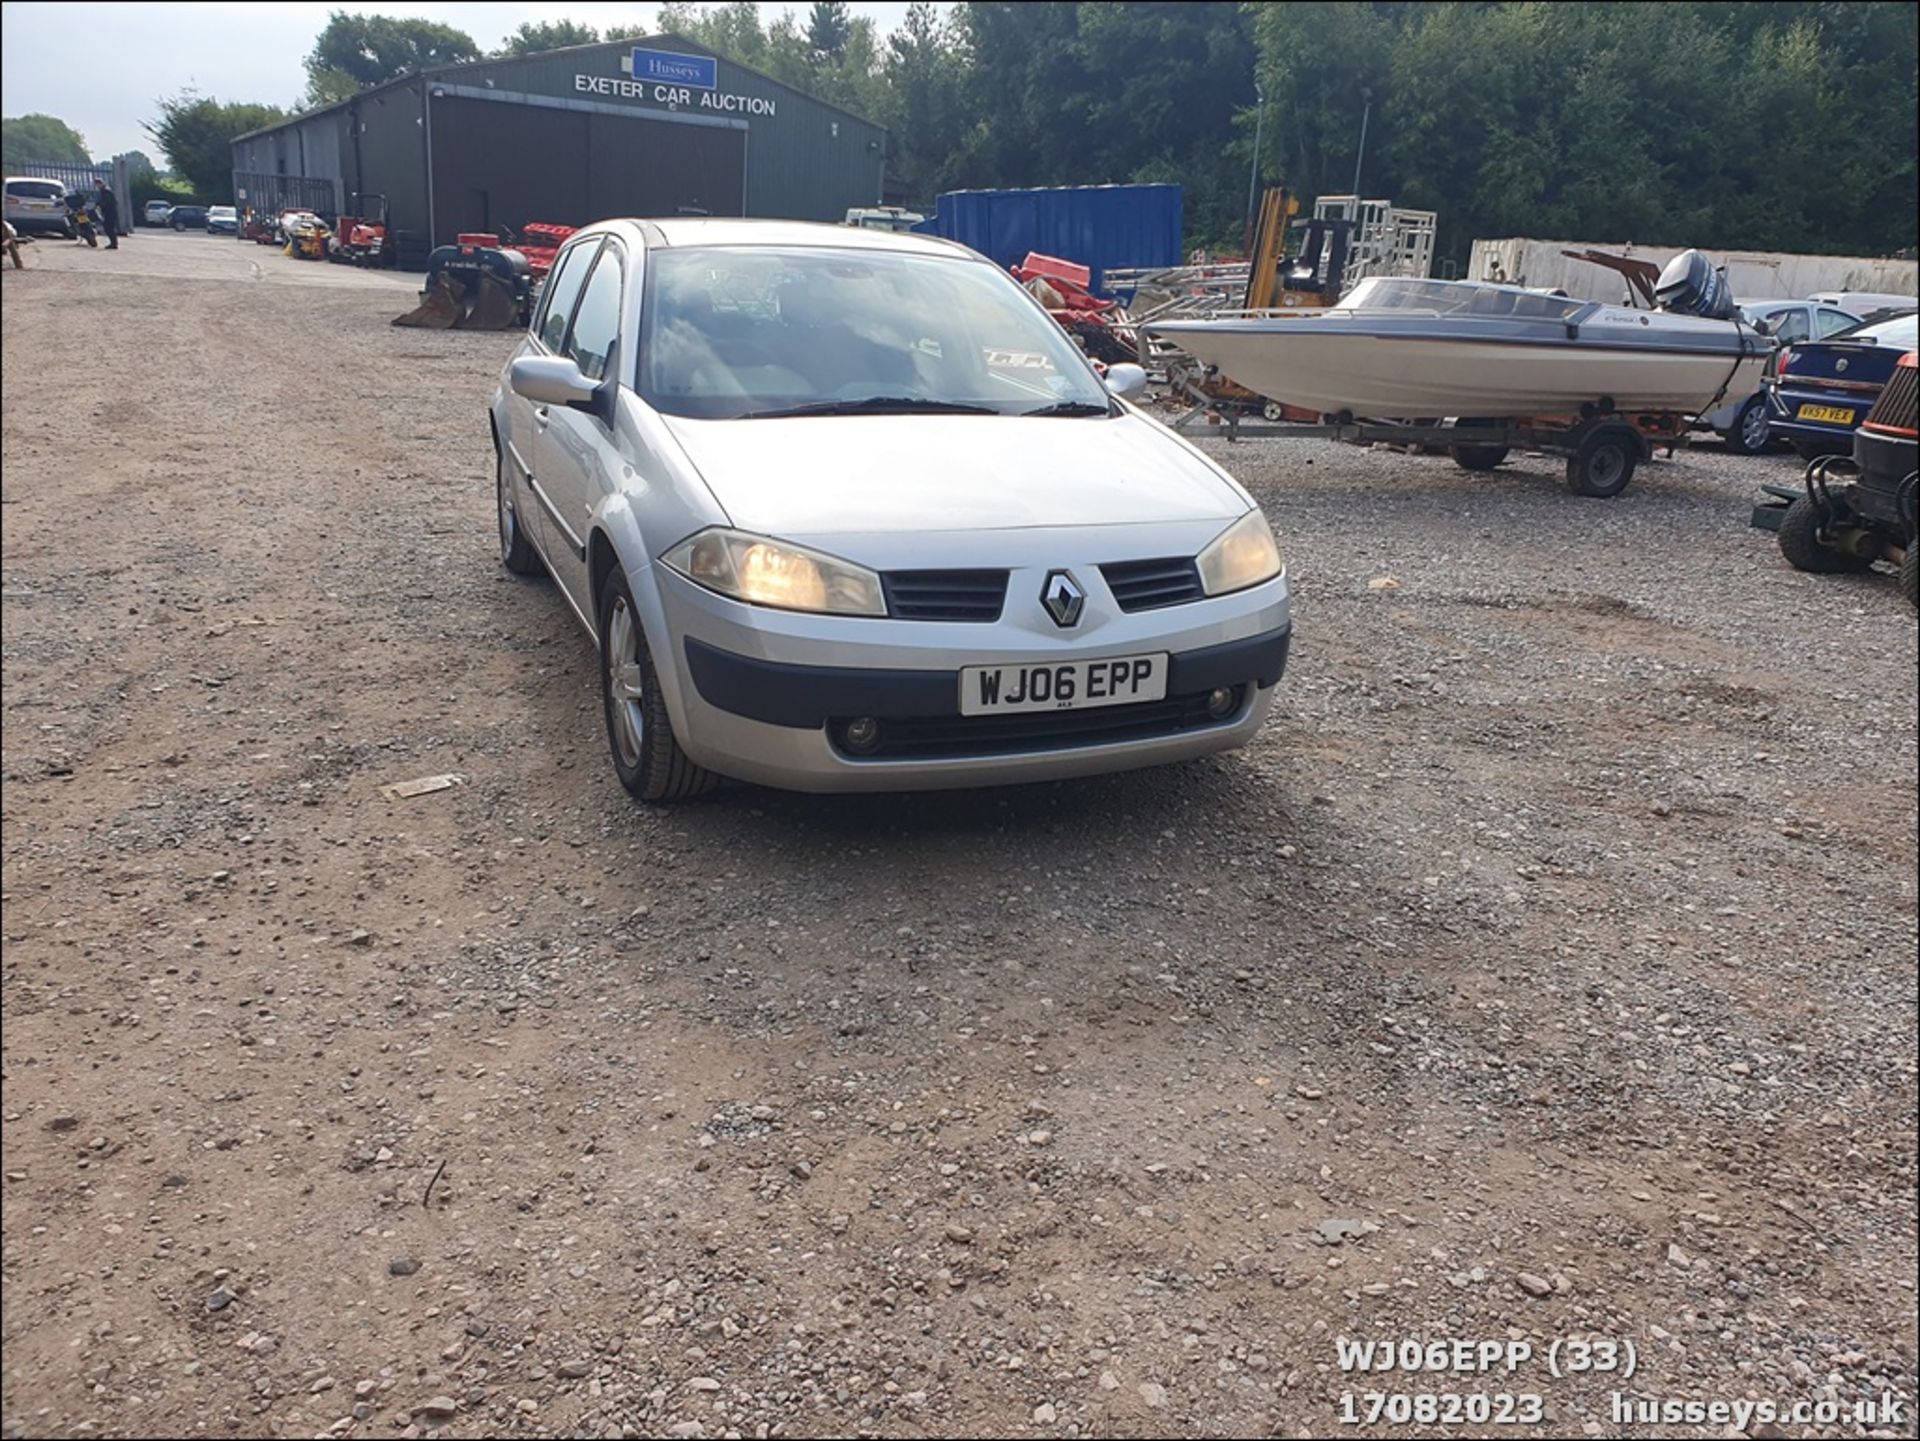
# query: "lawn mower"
{"type": "Point", "coordinates": [1853, 511]}
{"type": "Point", "coordinates": [307, 235]}
{"type": "Point", "coordinates": [362, 239]}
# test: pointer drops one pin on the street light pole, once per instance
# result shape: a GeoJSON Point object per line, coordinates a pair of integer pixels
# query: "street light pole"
{"type": "Point", "coordinates": [1366, 95]}
{"type": "Point", "coordinates": [1253, 171]}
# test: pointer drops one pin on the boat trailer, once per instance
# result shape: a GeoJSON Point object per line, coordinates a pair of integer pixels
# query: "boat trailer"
{"type": "Point", "coordinates": [1602, 447]}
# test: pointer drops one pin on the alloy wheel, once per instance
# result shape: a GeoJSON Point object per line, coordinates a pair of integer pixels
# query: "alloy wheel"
{"type": "Point", "coordinates": [626, 688]}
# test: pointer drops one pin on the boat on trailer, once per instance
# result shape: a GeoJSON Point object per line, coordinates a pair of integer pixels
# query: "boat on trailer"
{"type": "Point", "coordinates": [1401, 348]}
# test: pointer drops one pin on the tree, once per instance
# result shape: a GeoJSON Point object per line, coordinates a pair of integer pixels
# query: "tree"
{"type": "Point", "coordinates": [926, 117]}
{"type": "Point", "coordinates": [534, 36]}
{"type": "Point", "coordinates": [196, 134]}
{"type": "Point", "coordinates": [829, 27]}
{"type": "Point", "coordinates": [139, 164]}
{"type": "Point", "coordinates": [355, 52]}
{"type": "Point", "coordinates": [29, 138]}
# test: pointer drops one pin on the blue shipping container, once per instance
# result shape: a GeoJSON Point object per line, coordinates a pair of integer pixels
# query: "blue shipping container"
{"type": "Point", "coordinates": [1103, 227]}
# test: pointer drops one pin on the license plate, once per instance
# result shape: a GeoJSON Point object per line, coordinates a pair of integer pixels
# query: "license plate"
{"type": "Point", "coordinates": [1062, 685]}
{"type": "Point", "coordinates": [1831, 414]}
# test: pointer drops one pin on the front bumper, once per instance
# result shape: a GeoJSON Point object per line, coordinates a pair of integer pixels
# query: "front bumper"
{"type": "Point", "coordinates": [764, 695]}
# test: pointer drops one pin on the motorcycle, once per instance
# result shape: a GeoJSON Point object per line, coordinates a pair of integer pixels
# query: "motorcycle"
{"type": "Point", "coordinates": [81, 219]}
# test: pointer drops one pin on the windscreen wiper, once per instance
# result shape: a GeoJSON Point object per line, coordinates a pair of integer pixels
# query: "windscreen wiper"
{"type": "Point", "coordinates": [1071, 407]}
{"type": "Point", "coordinates": [872, 405]}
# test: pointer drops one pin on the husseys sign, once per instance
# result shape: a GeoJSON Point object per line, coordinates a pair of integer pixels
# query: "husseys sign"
{"type": "Point", "coordinates": [667, 78]}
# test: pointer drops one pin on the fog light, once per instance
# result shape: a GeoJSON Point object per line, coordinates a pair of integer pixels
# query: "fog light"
{"type": "Point", "coordinates": [1221, 701]}
{"type": "Point", "coordinates": [862, 734]}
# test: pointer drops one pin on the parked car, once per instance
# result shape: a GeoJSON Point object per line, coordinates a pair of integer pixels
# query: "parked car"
{"type": "Point", "coordinates": [223, 220]}
{"type": "Point", "coordinates": [187, 217]}
{"type": "Point", "coordinates": [844, 509]}
{"type": "Point", "coordinates": [1821, 389]}
{"type": "Point", "coordinates": [37, 207]}
{"type": "Point", "coordinates": [156, 212]}
{"type": "Point", "coordinates": [1741, 420]}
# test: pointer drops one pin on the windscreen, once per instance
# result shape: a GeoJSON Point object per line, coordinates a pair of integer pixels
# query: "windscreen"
{"type": "Point", "coordinates": [730, 332]}
{"type": "Point", "coordinates": [1458, 297]}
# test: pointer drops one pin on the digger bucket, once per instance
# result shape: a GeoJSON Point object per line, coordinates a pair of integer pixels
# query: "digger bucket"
{"type": "Point", "coordinates": [491, 305]}
{"type": "Point", "coordinates": [441, 306]}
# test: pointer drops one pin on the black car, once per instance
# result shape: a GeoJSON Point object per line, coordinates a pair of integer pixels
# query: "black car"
{"type": "Point", "coordinates": [188, 217]}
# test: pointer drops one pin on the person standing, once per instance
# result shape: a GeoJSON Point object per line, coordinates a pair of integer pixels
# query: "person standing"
{"type": "Point", "coordinates": [107, 204]}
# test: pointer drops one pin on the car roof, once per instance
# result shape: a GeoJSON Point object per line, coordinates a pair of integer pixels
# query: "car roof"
{"type": "Point", "coordinates": [687, 230]}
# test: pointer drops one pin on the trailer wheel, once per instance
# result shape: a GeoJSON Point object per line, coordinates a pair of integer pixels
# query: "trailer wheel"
{"type": "Point", "coordinates": [1910, 573]}
{"type": "Point", "coordinates": [1800, 543]}
{"type": "Point", "coordinates": [1604, 463]}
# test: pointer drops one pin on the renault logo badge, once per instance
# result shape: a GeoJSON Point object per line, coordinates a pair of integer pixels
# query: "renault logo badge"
{"type": "Point", "coordinates": [1063, 598]}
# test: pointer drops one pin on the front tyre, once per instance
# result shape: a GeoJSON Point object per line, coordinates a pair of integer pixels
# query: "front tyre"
{"type": "Point", "coordinates": [646, 754]}
{"type": "Point", "coordinates": [516, 551]}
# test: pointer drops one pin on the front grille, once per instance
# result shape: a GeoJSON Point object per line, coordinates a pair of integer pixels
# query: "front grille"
{"type": "Point", "coordinates": [1150, 584]}
{"type": "Point", "coordinates": [1898, 407]}
{"type": "Point", "coordinates": [971, 595]}
{"type": "Point", "coordinates": [952, 737]}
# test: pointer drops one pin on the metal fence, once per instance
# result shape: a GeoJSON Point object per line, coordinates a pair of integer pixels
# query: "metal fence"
{"type": "Point", "coordinates": [83, 178]}
{"type": "Point", "coordinates": [270, 194]}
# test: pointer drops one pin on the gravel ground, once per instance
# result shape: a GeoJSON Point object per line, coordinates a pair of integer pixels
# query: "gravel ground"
{"type": "Point", "coordinates": [1545, 970]}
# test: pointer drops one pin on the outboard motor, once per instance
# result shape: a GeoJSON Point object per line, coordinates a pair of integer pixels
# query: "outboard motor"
{"type": "Point", "coordinates": [1689, 285]}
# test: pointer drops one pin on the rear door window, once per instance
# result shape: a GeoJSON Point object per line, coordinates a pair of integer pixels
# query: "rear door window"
{"type": "Point", "coordinates": [1831, 322]}
{"type": "Point", "coordinates": [563, 288]}
{"type": "Point", "coordinates": [597, 324]}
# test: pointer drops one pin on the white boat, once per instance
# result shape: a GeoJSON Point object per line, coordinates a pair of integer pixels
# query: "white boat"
{"type": "Point", "coordinates": [1402, 348]}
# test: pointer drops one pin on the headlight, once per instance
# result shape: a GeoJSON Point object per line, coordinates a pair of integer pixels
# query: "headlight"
{"type": "Point", "coordinates": [1243, 554]}
{"type": "Point", "coordinates": [769, 572]}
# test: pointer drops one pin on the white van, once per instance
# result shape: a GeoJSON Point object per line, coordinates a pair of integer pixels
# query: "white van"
{"type": "Point", "coordinates": [1865, 303]}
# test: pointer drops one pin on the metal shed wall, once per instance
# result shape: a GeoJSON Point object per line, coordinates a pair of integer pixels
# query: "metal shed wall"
{"type": "Point", "coordinates": [806, 161]}
{"type": "Point", "coordinates": [310, 147]}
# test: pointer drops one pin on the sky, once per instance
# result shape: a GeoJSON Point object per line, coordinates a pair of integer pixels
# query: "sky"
{"type": "Point", "coordinates": [100, 67]}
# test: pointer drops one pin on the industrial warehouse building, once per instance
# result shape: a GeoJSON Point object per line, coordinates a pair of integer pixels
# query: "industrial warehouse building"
{"type": "Point", "coordinates": [654, 127]}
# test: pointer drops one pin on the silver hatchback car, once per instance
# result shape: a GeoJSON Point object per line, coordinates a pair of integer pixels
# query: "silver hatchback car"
{"type": "Point", "coordinates": [846, 510]}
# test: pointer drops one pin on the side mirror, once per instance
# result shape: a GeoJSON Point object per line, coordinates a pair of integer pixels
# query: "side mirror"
{"type": "Point", "coordinates": [551, 380]}
{"type": "Point", "coordinates": [1126, 381]}
{"type": "Point", "coordinates": [1760, 327]}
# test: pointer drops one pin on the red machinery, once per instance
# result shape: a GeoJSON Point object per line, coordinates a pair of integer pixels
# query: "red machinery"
{"type": "Point", "coordinates": [1062, 287]}
{"type": "Point", "coordinates": [362, 239]}
{"type": "Point", "coordinates": [540, 242]}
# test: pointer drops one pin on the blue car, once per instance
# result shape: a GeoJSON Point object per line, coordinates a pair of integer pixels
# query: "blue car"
{"type": "Point", "coordinates": [1818, 391]}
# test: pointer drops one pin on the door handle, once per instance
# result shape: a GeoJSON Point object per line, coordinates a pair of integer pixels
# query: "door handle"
{"type": "Point", "coordinates": [540, 416]}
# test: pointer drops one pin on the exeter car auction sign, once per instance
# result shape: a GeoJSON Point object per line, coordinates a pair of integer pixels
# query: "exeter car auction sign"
{"type": "Point", "coordinates": [673, 80]}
